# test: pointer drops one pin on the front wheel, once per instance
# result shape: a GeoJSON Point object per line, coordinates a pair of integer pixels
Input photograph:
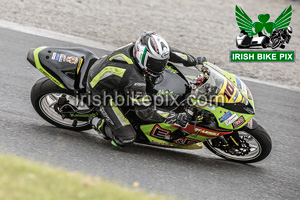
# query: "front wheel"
{"type": "Point", "coordinates": [254, 145]}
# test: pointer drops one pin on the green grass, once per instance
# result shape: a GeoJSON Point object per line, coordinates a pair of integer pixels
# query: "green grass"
{"type": "Point", "coordinates": [27, 180]}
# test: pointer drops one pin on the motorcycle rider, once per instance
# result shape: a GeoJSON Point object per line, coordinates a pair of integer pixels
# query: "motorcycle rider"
{"type": "Point", "coordinates": [126, 71]}
{"type": "Point", "coordinates": [281, 36]}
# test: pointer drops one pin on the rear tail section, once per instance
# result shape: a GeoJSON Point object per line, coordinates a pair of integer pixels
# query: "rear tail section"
{"type": "Point", "coordinates": [66, 67]}
{"type": "Point", "coordinates": [30, 56]}
{"type": "Point", "coordinates": [36, 57]}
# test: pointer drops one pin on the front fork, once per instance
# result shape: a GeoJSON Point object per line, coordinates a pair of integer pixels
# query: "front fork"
{"type": "Point", "coordinates": [232, 144]}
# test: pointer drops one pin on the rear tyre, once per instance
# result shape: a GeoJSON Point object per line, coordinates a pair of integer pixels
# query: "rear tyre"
{"type": "Point", "coordinates": [259, 141]}
{"type": "Point", "coordinates": [44, 95]}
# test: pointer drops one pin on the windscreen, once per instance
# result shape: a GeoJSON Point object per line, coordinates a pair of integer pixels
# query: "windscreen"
{"type": "Point", "coordinates": [211, 88]}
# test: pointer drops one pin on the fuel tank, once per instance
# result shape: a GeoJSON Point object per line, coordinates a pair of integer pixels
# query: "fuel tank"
{"type": "Point", "coordinates": [170, 88]}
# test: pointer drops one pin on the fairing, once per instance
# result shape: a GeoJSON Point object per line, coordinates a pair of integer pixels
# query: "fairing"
{"type": "Point", "coordinates": [66, 67]}
{"type": "Point", "coordinates": [229, 99]}
{"type": "Point", "coordinates": [157, 132]}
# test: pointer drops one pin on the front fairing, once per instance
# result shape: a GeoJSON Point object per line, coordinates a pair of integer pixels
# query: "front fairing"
{"type": "Point", "coordinates": [226, 97]}
{"type": "Point", "coordinates": [238, 83]}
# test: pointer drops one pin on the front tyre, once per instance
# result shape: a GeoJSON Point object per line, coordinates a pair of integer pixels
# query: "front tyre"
{"type": "Point", "coordinates": [258, 141]}
{"type": "Point", "coordinates": [44, 95]}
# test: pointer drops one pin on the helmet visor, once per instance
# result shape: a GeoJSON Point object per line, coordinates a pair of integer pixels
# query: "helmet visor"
{"type": "Point", "coordinates": [156, 66]}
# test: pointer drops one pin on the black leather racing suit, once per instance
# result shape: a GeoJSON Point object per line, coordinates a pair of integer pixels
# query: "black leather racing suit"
{"type": "Point", "coordinates": [118, 74]}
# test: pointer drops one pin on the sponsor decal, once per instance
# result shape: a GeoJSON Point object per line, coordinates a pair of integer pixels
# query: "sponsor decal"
{"type": "Point", "coordinates": [57, 56]}
{"type": "Point", "coordinates": [160, 143]}
{"type": "Point", "coordinates": [53, 56]}
{"type": "Point", "coordinates": [245, 101]}
{"type": "Point", "coordinates": [154, 44]}
{"type": "Point", "coordinates": [165, 93]}
{"type": "Point", "coordinates": [139, 84]}
{"type": "Point", "coordinates": [225, 116]}
{"type": "Point", "coordinates": [61, 57]}
{"type": "Point", "coordinates": [72, 59]}
{"type": "Point", "coordinates": [50, 77]}
{"type": "Point", "coordinates": [105, 115]}
{"type": "Point", "coordinates": [249, 94]}
{"type": "Point", "coordinates": [83, 115]}
{"type": "Point", "coordinates": [244, 88]}
{"type": "Point", "coordinates": [185, 141]}
{"type": "Point", "coordinates": [210, 133]}
{"type": "Point", "coordinates": [238, 122]}
{"type": "Point", "coordinates": [231, 119]}
{"type": "Point", "coordinates": [235, 96]}
{"type": "Point", "coordinates": [159, 132]}
{"type": "Point", "coordinates": [195, 131]}
{"type": "Point", "coordinates": [238, 83]}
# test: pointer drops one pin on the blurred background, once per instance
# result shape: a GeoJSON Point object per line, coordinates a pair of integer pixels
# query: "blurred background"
{"type": "Point", "coordinates": [202, 28]}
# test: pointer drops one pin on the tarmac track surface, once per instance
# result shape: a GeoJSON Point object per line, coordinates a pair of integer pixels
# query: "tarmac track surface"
{"type": "Point", "coordinates": [183, 174]}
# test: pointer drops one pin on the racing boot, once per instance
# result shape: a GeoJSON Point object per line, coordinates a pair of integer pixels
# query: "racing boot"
{"type": "Point", "coordinates": [98, 125]}
{"type": "Point", "coordinates": [115, 141]}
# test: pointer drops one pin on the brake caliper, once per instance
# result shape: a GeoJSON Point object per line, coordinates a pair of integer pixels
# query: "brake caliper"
{"type": "Point", "coordinates": [233, 144]}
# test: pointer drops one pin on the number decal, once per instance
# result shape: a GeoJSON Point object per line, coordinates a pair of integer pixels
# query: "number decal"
{"type": "Point", "coordinates": [229, 90]}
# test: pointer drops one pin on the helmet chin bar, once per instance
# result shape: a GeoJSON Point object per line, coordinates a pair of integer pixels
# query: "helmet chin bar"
{"type": "Point", "coordinates": [147, 72]}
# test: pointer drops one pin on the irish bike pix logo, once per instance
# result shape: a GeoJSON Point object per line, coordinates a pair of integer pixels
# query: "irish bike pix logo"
{"type": "Point", "coordinates": [263, 39]}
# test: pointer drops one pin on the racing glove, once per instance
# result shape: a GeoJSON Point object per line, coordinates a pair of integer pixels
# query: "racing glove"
{"type": "Point", "coordinates": [201, 60]}
{"type": "Point", "coordinates": [178, 119]}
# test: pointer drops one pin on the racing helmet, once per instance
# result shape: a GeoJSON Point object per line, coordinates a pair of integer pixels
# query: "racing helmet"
{"type": "Point", "coordinates": [289, 30]}
{"type": "Point", "coordinates": [151, 53]}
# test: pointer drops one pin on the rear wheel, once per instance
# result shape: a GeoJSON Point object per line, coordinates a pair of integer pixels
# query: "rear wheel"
{"type": "Point", "coordinates": [44, 96]}
{"type": "Point", "coordinates": [254, 145]}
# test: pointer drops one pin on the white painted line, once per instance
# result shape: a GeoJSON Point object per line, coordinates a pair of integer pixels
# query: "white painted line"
{"type": "Point", "coordinates": [270, 83]}
{"type": "Point", "coordinates": [90, 43]}
{"type": "Point", "coordinates": [54, 35]}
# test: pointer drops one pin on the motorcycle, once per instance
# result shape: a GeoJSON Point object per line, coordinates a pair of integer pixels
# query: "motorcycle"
{"type": "Point", "coordinates": [221, 109]}
{"type": "Point", "coordinates": [245, 41]}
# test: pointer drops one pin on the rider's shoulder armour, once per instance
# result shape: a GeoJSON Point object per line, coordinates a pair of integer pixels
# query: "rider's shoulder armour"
{"type": "Point", "coordinates": [122, 55]}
